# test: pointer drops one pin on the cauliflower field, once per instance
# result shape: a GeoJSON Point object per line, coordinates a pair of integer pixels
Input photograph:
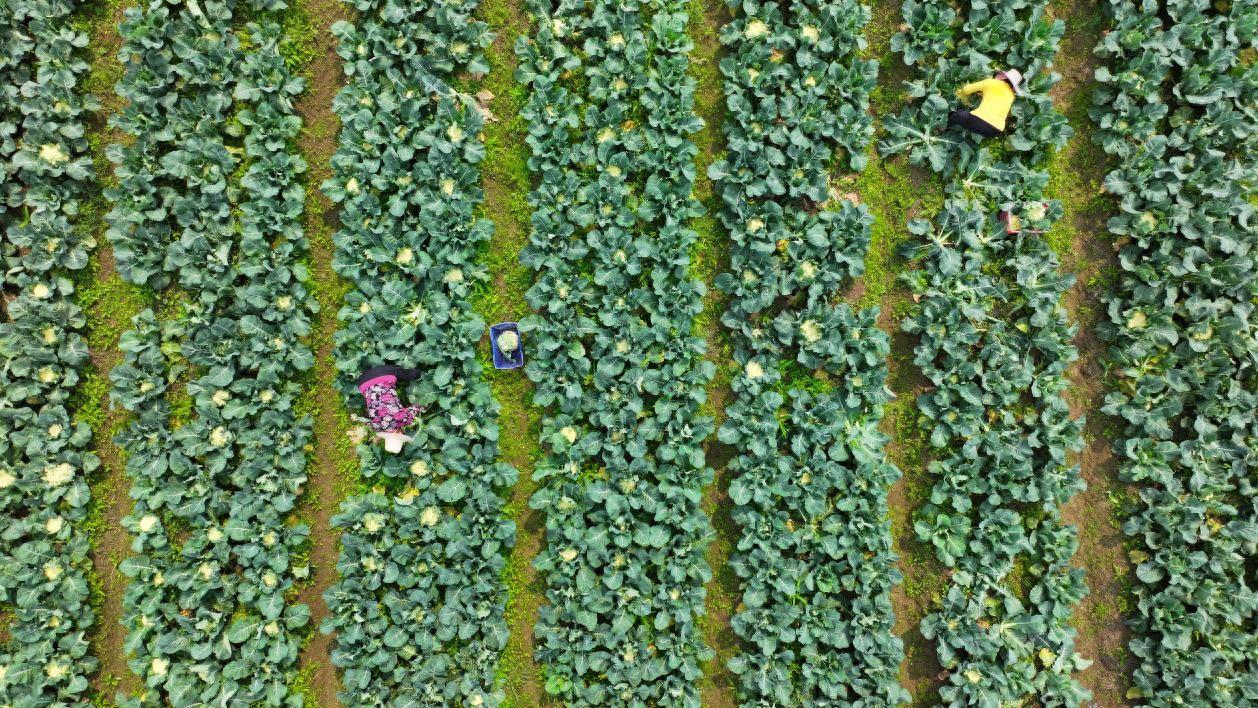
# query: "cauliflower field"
{"type": "Point", "coordinates": [995, 343]}
{"type": "Point", "coordinates": [823, 403]}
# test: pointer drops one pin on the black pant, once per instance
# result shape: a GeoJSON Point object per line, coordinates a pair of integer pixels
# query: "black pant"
{"type": "Point", "coordinates": [402, 373]}
{"type": "Point", "coordinates": [974, 124]}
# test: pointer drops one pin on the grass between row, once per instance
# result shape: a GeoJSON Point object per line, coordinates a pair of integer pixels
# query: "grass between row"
{"type": "Point", "coordinates": [109, 303]}
{"type": "Point", "coordinates": [507, 182]}
{"type": "Point", "coordinates": [333, 470]}
{"type": "Point", "coordinates": [896, 193]}
{"type": "Point", "coordinates": [709, 258]}
{"type": "Point", "coordinates": [1081, 239]}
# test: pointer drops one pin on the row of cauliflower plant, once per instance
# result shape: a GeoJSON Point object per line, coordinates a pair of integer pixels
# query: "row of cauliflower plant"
{"type": "Point", "coordinates": [616, 363]}
{"type": "Point", "coordinates": [418, 605]}
{"type": "Point", "coordinates": [207, 213]}
{"type": "Point", "coordinates": [44, 456]}
{"type": "Point", "coordinates": [1176, 109]}
{"type": "Point", "coordinates": [995, 342]}
{"type": "Point", "coordinates": [811, 473]}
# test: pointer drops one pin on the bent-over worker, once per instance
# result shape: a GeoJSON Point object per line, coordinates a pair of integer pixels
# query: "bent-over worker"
{"type": "Point", "coordinates": [385, 413]}
{"type": "Point", "coordinates": [988, 120]}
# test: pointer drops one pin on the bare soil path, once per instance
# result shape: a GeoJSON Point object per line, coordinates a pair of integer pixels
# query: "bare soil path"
{"type": "Point", "coordinates": [333, 468]}
{"type": "Point", "coordinates": [710, 258]}
{"type": "Point", "coordinates": [1085, 245]}
{"type": "Point", "coordinates": [507, 183]}
{"type": "Point", "coordinates": [109, 303]}
{"type": "Point", "coordinates": [896, 193]}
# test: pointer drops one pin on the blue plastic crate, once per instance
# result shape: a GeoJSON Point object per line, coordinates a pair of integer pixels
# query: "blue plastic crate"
{"type": "Point", "coordinates": [501, 360]}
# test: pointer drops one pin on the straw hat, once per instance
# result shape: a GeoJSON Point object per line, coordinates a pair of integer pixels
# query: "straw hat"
{"type": "Point", "coordinates": [1014, 77]}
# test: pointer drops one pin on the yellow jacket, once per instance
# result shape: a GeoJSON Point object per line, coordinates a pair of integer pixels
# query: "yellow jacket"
{"type": "Point", "coordinates": [997, 100]}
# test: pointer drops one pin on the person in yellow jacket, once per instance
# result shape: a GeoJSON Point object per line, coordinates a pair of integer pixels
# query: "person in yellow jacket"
{"type": "Point", "coordinates": [988, 120]}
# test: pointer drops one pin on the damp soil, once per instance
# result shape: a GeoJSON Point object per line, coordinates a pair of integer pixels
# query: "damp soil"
{"type": "Point", "coordinates": [1089, 256]}
{"type": "Point", "coordinates": [331, 466]}
{"type": "Point", "coordinates": [110, 303]}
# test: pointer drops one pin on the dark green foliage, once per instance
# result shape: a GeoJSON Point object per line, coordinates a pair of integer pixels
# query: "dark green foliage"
{"type": "Point", "coordinates": [1176, 107]}
{"type": "Point", "coordinates": [207, 210]}
{"type": "Point", "coordinates": [811, 473]}
{"type": "Point", "coordinates": [613, 354]}
{"type": "Point", "coordinates": [44, 457]}
{"type": "Point", "coordinates": [418, 605]}
{"type": "Point", "coordinates": [995, 343]}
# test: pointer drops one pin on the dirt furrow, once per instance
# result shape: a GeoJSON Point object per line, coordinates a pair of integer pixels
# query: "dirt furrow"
{"type": "Point", "coordinates": [710, 258]}
{"type": "Point", "coordinates": [109, 303]}
{"type": "Point", "coordinates": [333, 470]}
{"type": "Point", "coordinates": [107, 317]}
{"type": "Point", "coordinates": [507, 182]}
{"type": "Point", "coordinates": [895, 193]}
{"type": "Point", "coordinates": [1085, 245]}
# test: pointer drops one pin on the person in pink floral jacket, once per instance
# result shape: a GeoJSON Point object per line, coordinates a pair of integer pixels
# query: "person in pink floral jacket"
{"type": "Point", "coordinates": [386, 415]}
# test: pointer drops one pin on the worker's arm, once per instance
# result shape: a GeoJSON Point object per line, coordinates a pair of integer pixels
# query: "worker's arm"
{"type": "Point", "coordinates": [977, 86]}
